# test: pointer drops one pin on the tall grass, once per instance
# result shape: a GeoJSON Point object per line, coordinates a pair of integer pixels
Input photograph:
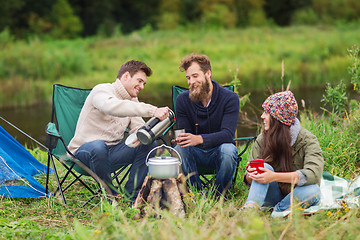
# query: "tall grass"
{"type": "Point", "coordinates": [313, 56]}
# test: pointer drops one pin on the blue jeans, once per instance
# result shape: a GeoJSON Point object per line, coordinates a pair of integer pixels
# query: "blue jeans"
{"type": "Point", "coordinates": [103, 160]}
{"type": "Point", "coordinates": [222, 158]}
{"type": "Point", "coordinates": [269, 195]}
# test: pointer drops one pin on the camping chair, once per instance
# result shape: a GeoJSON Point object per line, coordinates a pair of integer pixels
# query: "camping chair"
{"type": "Point", "coordinates": [66, 107]}
{"type": "Point", "coordinates": [207, 174]}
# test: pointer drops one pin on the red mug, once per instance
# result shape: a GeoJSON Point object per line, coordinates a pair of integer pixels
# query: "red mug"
{"type": "Point", "coordinates": [256, 164]}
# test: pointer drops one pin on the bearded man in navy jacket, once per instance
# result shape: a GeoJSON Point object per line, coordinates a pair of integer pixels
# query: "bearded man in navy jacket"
{"type": "Point", "coordinates": [209, 114]}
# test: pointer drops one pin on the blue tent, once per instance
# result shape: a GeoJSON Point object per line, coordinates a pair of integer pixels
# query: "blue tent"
{"type": "Point", "coordinates": [17, 168]}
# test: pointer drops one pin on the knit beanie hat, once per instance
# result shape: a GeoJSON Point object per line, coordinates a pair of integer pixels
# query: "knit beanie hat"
{"type": "Point", "coordinates": [282, 106]}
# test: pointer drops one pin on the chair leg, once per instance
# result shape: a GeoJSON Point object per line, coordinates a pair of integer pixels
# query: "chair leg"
{"type": "Point", "coordinates": [91, 198]}
{"type": "Point", "coordinates": [123, 178]}
{"type": "Point", "coordinates": [57, 178]}
{"type": "Point", "coordinates": [236, 173]}
{"type": "Point", "coordinates": [64, 178]}
{"type": "Point", "coordinates": [47, 178]}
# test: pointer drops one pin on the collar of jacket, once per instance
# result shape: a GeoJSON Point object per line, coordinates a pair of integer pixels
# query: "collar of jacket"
{"type": "Point", "coordinates": [120, 90]}
{"type": "Point", "coordinates": [294, 131]}
{"type": "Point", "coordinates": [299, 143]}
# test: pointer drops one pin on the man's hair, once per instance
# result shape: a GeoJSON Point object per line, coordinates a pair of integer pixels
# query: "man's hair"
{"type": "Point", "coordinates": [133, 67]}
{"type": "Point", "coordinates": [202, 60]}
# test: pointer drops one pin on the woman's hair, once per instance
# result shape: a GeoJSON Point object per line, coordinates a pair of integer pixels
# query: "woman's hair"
{"type": "Point", "coordinates": [277, 145]}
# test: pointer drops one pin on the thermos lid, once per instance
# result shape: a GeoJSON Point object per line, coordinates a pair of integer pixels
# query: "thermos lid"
{"type": "Point", "coordinates": [144, 136]}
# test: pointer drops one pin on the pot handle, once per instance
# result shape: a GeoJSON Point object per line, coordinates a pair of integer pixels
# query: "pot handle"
{"type": "Point", "coordinates": [163, 145]}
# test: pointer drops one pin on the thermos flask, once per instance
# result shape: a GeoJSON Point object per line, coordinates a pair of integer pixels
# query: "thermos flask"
{"type": "Point", "coordinates": [153, 128]}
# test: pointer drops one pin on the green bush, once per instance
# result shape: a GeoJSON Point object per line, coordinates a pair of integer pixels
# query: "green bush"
{"type": "Point", "coordinates": [219, 16]}
{"type": "Point", "coordinates": [354, 68]}
{"type": "Point", "coordinates": [305, 16]}
{"type": "Point", "coordinates": [339, 142]}
{"type": "Point", "coordinates": [331, 11]}
{"type": "Point", "coordinates": [46, 61]}
{"type": "Point", "coordinates": [336, 98]}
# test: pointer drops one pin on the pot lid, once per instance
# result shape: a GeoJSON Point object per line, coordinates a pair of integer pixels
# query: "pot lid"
{"type": "Point", "coordinates": [163, 160]}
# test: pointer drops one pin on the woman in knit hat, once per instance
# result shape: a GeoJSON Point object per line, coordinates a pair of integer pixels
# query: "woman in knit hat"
{"type": "Point", "coordinates": [292, 159]}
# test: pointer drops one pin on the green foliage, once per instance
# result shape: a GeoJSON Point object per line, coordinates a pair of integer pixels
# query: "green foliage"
{"type": "Point", "coordinates": [49, 61]}
{"type": "Point", "coordinates": [5, 38]}
{"type": "Point", "coordinates": [305, 16]}
{"type": "Point", "coordinates": [7, 10]}
{"type": "Point", "coordinates": [109, 28]}
{"type": "Point", "coordinates": [65, 23]}
{"type": "Point", "coordinates": [68, 19]}
{"type": "Point", "coordinates": [237, 84]}
{"type": "Point", "coordinates": [257, 18]}
{"type": "Point", "coordinates": [257, 52]}
{"type": "Point", "coordinates": [169, 14]}
{"type": "Point", "coordinates": [247, 8]}
{"type": "Point", "coordinates": [339, 141]}
{"type": "Point", "coordinates": [59, 23]}
{"type": "Point", "coordinates": [335, 10]}
{"type": "Point", "coordinates": [218, 16]}
{"type": "Point", "coordinates": [336, 98]}
{"type": "Point", "coordinates": [354, 69]}
{"type": "Point", "coordinates": [168, 21]}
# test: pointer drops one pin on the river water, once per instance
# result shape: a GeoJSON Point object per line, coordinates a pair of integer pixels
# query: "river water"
{"type": "Point", "coordinates": [33, 120]}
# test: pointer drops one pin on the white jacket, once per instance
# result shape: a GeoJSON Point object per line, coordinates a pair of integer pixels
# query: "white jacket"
{"type": "Point", "coordinates": [107, 112]}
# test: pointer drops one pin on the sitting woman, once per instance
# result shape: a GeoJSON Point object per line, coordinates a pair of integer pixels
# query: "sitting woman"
{"type": "Point", "coordinates": [292, 159]}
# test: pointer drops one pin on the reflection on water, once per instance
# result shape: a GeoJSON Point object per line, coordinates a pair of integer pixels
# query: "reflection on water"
{"type": "Point", "coordinates": [33, 120]}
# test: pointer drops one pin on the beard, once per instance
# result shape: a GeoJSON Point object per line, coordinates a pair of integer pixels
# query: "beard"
{"type": "Point", "coordinates": [197, 95]}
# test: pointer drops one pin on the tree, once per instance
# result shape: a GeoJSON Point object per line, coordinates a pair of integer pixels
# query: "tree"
{"type": "Point", "coordinates": [65, 23]}
{"type": "Point", "coordinates": [8, 11]}
{"type": "Point", "coordinates": [218, 13]}
{"type": "Point", "coordinates": [281, 11]}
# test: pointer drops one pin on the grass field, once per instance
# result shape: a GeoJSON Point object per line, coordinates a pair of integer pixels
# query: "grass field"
{"type": "Point", "coordinates": [312, 56]}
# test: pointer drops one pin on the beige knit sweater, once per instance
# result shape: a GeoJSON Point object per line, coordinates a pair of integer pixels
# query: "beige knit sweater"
{"type": "Point", "coordinates": [107, 112]}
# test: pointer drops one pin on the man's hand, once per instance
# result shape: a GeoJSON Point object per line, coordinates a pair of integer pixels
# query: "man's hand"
{"type": "Point", "coordinates": [188, 139]}
{"type": "Point", "coordinates": [162, 113]}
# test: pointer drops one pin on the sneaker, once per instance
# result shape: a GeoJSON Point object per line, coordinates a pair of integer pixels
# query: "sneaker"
{"type": "Point", "coordinates": [276, 214]}
{"type": "Point", "coordinates": [249, 207]}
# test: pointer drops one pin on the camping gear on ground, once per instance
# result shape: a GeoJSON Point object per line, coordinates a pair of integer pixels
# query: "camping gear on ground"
{"type": "Point", "coordinates": [154, 128]}
{"type": "Point", "coordinates": [336, 193]}
{"type": "Point", "coordinates": [17, 170]}
{"type": "Point", "coordinates": [163, 167]}
{"type": "Point", "coordinates": [205, 171]}
{"type": "Point", "coordinates": [66, 107]}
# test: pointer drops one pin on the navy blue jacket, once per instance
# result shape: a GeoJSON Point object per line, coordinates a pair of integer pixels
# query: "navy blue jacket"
{"type": "Point", "coordinates": [215, 123]}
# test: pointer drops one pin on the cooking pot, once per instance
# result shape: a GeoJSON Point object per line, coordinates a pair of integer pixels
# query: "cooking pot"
{"type": "Point", "coordinates": [163, 167]}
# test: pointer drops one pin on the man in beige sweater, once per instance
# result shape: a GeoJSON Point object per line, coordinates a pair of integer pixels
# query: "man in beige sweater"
{"type": "Point", "coordinates": [108, 111]}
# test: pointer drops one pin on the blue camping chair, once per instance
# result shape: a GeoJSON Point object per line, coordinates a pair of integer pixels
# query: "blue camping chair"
{"type": "Point", "coordinates": [207, 174]}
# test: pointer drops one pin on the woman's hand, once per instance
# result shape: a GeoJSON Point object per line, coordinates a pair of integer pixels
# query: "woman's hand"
{"type": "Point", "coordinates": [249, 169]}
{"type": "Point", "coordinates": [266, 177]}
